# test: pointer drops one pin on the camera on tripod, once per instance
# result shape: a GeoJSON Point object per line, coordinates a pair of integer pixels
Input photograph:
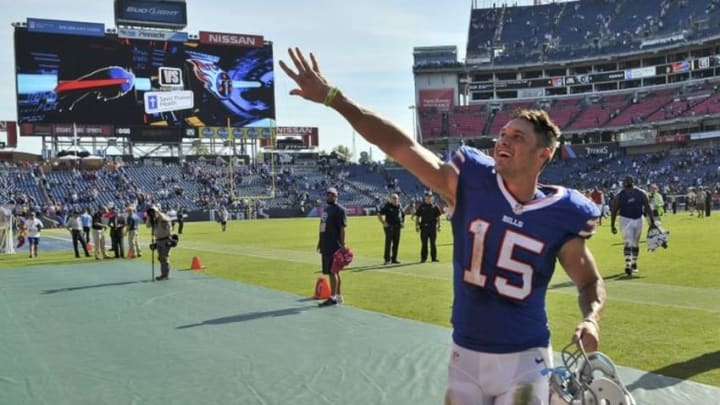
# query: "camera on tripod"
{"type": "Point", "coordinates": [149, 217]}
{"type": "Point", "coordinates": [173, 240]}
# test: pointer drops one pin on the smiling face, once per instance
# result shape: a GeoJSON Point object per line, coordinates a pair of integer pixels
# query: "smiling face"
{"type": "Point", "coordinates": [518, 150]}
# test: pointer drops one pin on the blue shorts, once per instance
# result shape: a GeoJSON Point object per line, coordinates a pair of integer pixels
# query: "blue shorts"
{"type": "Point", "coordinates": [33, 240]}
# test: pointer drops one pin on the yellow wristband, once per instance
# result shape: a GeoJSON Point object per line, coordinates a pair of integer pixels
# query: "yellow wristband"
{"type": "Point", "coordinates": [331, 96]}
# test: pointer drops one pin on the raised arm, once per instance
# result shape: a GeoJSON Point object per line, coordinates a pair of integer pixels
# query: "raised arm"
{"type": "Point", "coordinates": [421, 162]}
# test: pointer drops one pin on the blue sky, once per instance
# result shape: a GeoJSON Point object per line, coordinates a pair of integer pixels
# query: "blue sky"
{"type": "Point", "coordinates": [363, 47]}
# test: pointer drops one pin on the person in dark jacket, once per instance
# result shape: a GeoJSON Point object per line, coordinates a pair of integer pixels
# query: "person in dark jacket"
{"type": "Point", "coordinates": [392, 217]}
{"type": "Point", "coordinates": [331, 238]}
{"type": "Point", "coordinates": [117, 233]}
{"type": "Point", "coordinates": [427, 222]}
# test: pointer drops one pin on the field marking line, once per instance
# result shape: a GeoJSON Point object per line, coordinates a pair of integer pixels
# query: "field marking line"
{"type": "Point", "coordinates": [628, 296]}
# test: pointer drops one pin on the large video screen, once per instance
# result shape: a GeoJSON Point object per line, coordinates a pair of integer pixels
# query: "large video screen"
{"type": "Point", "coordinates": [102, 80]}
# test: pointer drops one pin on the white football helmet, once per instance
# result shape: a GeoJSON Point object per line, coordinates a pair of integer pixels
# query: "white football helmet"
{"type": "Point", "coordinates": [587, 379]}
{"type": "Point", "coordinates": [657, 237]}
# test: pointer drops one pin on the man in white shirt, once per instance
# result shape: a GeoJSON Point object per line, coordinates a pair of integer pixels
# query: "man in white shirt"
{"type": "Point", "coordinates": [75, 226]}
{"type": "Point", "coordinates": [33, 226]}
{"type": "Point", "coordinates": [223, 217]}
{"type": "Point", "coordinates": [173, 215]}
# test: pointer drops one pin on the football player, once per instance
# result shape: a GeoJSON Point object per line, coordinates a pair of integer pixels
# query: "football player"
{"type": "Point", "coordinates": [631, 203]}
{"type": "Point", "coordinates": [507, 232]}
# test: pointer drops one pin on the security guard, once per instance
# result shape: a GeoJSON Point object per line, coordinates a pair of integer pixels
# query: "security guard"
{"type": "Point", "coordinates": [392, 217]}
{"type": "Point", "coordinates": [161, 227]}
{"type": "Point", "coordinates": [427, 222]}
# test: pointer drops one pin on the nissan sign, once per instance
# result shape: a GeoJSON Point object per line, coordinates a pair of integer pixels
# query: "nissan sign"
{"type": "Point", "coordinates": [219, 38]}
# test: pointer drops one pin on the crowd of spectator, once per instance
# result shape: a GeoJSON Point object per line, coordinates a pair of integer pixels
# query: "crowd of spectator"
{"type": "Point", "coordinates": [57, 194]}
{"type": "Point", "coordinates": [567, 30]}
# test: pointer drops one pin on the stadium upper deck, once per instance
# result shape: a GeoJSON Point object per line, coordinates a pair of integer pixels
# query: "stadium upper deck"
{"type": "Point", "coordinates": [598, 66]}
{"type": "Point", "coordinates": [586, 28]}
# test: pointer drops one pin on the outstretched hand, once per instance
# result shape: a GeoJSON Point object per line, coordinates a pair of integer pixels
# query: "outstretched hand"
{"type": "Point", "coordinates": [311, 83]}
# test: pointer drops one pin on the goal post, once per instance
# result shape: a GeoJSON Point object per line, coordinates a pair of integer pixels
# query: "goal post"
{"type": "Point", "coordinates": [237, 193]}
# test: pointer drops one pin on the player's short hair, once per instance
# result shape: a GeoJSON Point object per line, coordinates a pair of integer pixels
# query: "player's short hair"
{"type": "Point", "coordinates": [548, 132]}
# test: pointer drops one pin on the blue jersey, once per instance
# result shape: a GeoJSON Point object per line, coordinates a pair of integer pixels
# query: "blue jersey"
{"type": "Point", "coordinates": [504, 255]}
{"type": "Point", "coordinates": [631, 203]}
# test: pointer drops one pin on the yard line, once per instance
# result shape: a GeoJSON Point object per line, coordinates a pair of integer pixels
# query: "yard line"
{"type": "Point", "coordinates": [635, 292]}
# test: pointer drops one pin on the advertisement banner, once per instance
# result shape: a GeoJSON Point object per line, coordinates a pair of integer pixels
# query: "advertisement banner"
{"type": "Point", "coordinates": [163, 14]}
{"type": "Point", "coordinates": [310, 135]}
{"type": "Point", "coordinates": [35, 129]}
{"type": "Point", "coordinates": [607, 77]}
{"type": "Point", "coordinates": [639, 73]}
{"type": "Point", "coordinates": [222, 133]}
{"type": "Point", "coordinates": [10, 128]}
{"type": "Point", "coordinates": [266, 133]}
{"type": "Point", "coordinates": [442, 99]}
{"type": "Point", "coordinates": [705, 135]}
{"type": "Point", "coordinates": [150, 35]}
{"type": "Point", "coordinates": [164, 101]}
{"type": "Point", "coordinates": [703, 63]}
{"type": "Point", "coordinates": [297, 131]}
{"type": "Point", "coordinates": [677, 138]}
{"type": "Point", "coordinates": [66, 27]}
{"type": "Point", "coordinates": [677, 67]}
{"type": "Point", "coordinates": [155, 135]}
{"type": "Point", "coordinates": [480, 86]}
{"type": "Point", "coordinates": [238, 133]}
{"type": "Point", "coordinates": [206, 132]}
{"type": "Point", "coordinates": [220, 38]}
{"type": "Point", "coordinates": [82, 130]}
{"type": "Point", "coordinates": [577, 80]}
{"type": "Point", "coordinates": [519, 84]}
{"type": "Point", "coordinates": [262, 133]}
{"type": "Point", "coordinates": [589, 150]}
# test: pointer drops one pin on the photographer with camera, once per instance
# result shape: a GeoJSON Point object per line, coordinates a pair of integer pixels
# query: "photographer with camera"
{"type": "Point", "coordinates": [162, 239]}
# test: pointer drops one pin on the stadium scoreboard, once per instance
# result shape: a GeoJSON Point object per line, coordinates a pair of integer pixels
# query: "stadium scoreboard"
{"type": "Point", "coordinates": [71, 75]}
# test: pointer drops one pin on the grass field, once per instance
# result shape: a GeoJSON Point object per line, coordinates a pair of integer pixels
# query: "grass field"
{"type": "Point", "coordinates": [666, 319]}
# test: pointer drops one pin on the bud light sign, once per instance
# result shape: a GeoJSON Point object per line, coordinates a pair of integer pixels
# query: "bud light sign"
{"type": "Point", "coordinates": [161, 14]}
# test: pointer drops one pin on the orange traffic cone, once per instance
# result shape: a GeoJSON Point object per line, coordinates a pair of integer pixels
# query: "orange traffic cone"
{"type": "Point", "coordinates": [89, 246]}
{"type": "Point", "coordinates": [131, 254]}
{"type": "Point", "coordinates": [196, 264]}
{"type": "Point", "coordinates": [322, 289]}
